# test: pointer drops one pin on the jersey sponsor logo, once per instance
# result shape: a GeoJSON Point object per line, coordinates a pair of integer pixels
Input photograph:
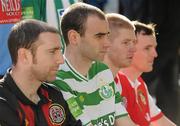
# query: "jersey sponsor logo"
{"type": "Point", "coordinates": [105, 121]}
{"type": "Point", "coordinates": [106, 91]}
{"type": "Point", "coordinates": [10, 11]}
{"type": "Point", "coordinates": [74, 107]}
{"type": "Point", "coordinates": [57, 114]}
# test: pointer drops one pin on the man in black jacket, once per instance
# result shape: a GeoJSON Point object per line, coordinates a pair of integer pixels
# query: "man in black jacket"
{"type": "Point", "coordinates": [24, 97]}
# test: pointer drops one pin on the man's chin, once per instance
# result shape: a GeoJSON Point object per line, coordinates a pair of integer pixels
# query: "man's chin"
{"type": "Point", "coordinates": [149, 69]}
{"type": "Point", "coordinates": [100, 58]}
{"type": "Point", "coordinates": [124, 65]}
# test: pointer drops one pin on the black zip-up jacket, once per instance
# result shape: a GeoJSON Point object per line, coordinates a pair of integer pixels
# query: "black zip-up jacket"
{"type": "Point", "coordinates": [17, 110]}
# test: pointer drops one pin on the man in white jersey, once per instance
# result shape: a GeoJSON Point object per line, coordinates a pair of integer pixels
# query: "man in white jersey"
{"type": "Point", "coordinates": [87, 84]}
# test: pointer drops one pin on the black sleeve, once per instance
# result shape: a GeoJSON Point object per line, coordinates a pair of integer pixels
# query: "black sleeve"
{"type": "Point", "coordinates": [8, 116]}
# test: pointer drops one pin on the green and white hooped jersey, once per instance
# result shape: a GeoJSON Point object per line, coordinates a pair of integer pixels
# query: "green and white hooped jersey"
{"type": "Point", "coordinates": [93, 99]}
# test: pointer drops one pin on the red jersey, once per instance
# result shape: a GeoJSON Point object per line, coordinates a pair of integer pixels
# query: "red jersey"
{"type": "Point", "coordinates": [137, 100]}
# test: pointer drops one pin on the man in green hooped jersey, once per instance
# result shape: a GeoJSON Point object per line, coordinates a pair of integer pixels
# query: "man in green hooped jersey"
{"type": "Point", "coordinates": [86, 83]}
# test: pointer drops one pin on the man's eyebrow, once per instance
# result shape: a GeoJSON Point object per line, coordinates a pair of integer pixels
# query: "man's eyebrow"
{"type": "Point", "coordinates": [55, 48]}
{"type": "Point", "coordinates": [101, 34]}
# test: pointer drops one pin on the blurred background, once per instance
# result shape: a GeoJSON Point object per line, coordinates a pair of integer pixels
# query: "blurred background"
{"type": "Point", "coordinates": [164, 81]}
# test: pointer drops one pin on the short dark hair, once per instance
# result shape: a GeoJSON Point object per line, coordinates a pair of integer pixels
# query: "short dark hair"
{"type": "Point", "coordinates": [24, 34]}
{"type": "Point", "coordinates": [75, 18]}
{"type": "Point", "coordinates": [145, 29]}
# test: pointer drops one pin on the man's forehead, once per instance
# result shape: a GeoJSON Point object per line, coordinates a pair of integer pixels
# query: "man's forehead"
{"type": "Point", "coordinates": [93, 19]}
{"type": "Point", "coordinates": [98, 26]}
{"type": "Point", "coordinates": [50, 39]}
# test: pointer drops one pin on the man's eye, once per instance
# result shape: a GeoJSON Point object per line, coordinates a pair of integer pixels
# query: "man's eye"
{"type": "Point", "coordinates": [52, 51]}
{"type": "Point", "coordinates": [147, 48]}
{"type": "Point", "coordinates": [99, 36]}
{"type": "Point", "coordinates": [126, 43]}
{"type": "Point", "coordinates": [135, 41]}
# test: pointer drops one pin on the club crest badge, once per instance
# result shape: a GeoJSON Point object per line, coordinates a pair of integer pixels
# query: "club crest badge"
{"type": "Point", "coordinates": [106, 91]}
{"type": "Point", "coordinates": [57, 114]}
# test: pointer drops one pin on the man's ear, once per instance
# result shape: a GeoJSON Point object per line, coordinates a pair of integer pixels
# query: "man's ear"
{"type": "Point", "coordinates": [73, 37]}
{"type": "Point", "coordinates": [24, 56]}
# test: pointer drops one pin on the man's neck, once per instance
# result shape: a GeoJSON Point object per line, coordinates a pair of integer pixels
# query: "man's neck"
{"type": "Point", "coordinates": [131, 72]}
{"type": "Point", "coordinates": [112, 67]}
{"type": "Point", "coordinates": [79, 63]}
{"type": "Point", "coordinates": [26, 84]}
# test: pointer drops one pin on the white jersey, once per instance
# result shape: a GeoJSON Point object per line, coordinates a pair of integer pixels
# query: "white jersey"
{"type": "Point", "coordinates": [93, 99]}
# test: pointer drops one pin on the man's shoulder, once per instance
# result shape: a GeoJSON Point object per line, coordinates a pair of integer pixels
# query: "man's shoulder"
{"type": "Point", "coordinates": [121, 77]}
{"type": "Point", "coordinates": [65, 71]}
{"type": "Point", "coordinates": [8, 115]}
{"type": "Point", "coordinates": [100, 65]}
{"type": "Point", "coordinates": [53, 92]}
{"type": "Point", "coordinates": [50, 88]}
{"type": "Point", "coordinates": [8, 105]}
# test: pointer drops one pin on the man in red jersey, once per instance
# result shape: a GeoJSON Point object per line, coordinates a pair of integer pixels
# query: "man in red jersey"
{"type": "Point", "coordinates": [139, 104]}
